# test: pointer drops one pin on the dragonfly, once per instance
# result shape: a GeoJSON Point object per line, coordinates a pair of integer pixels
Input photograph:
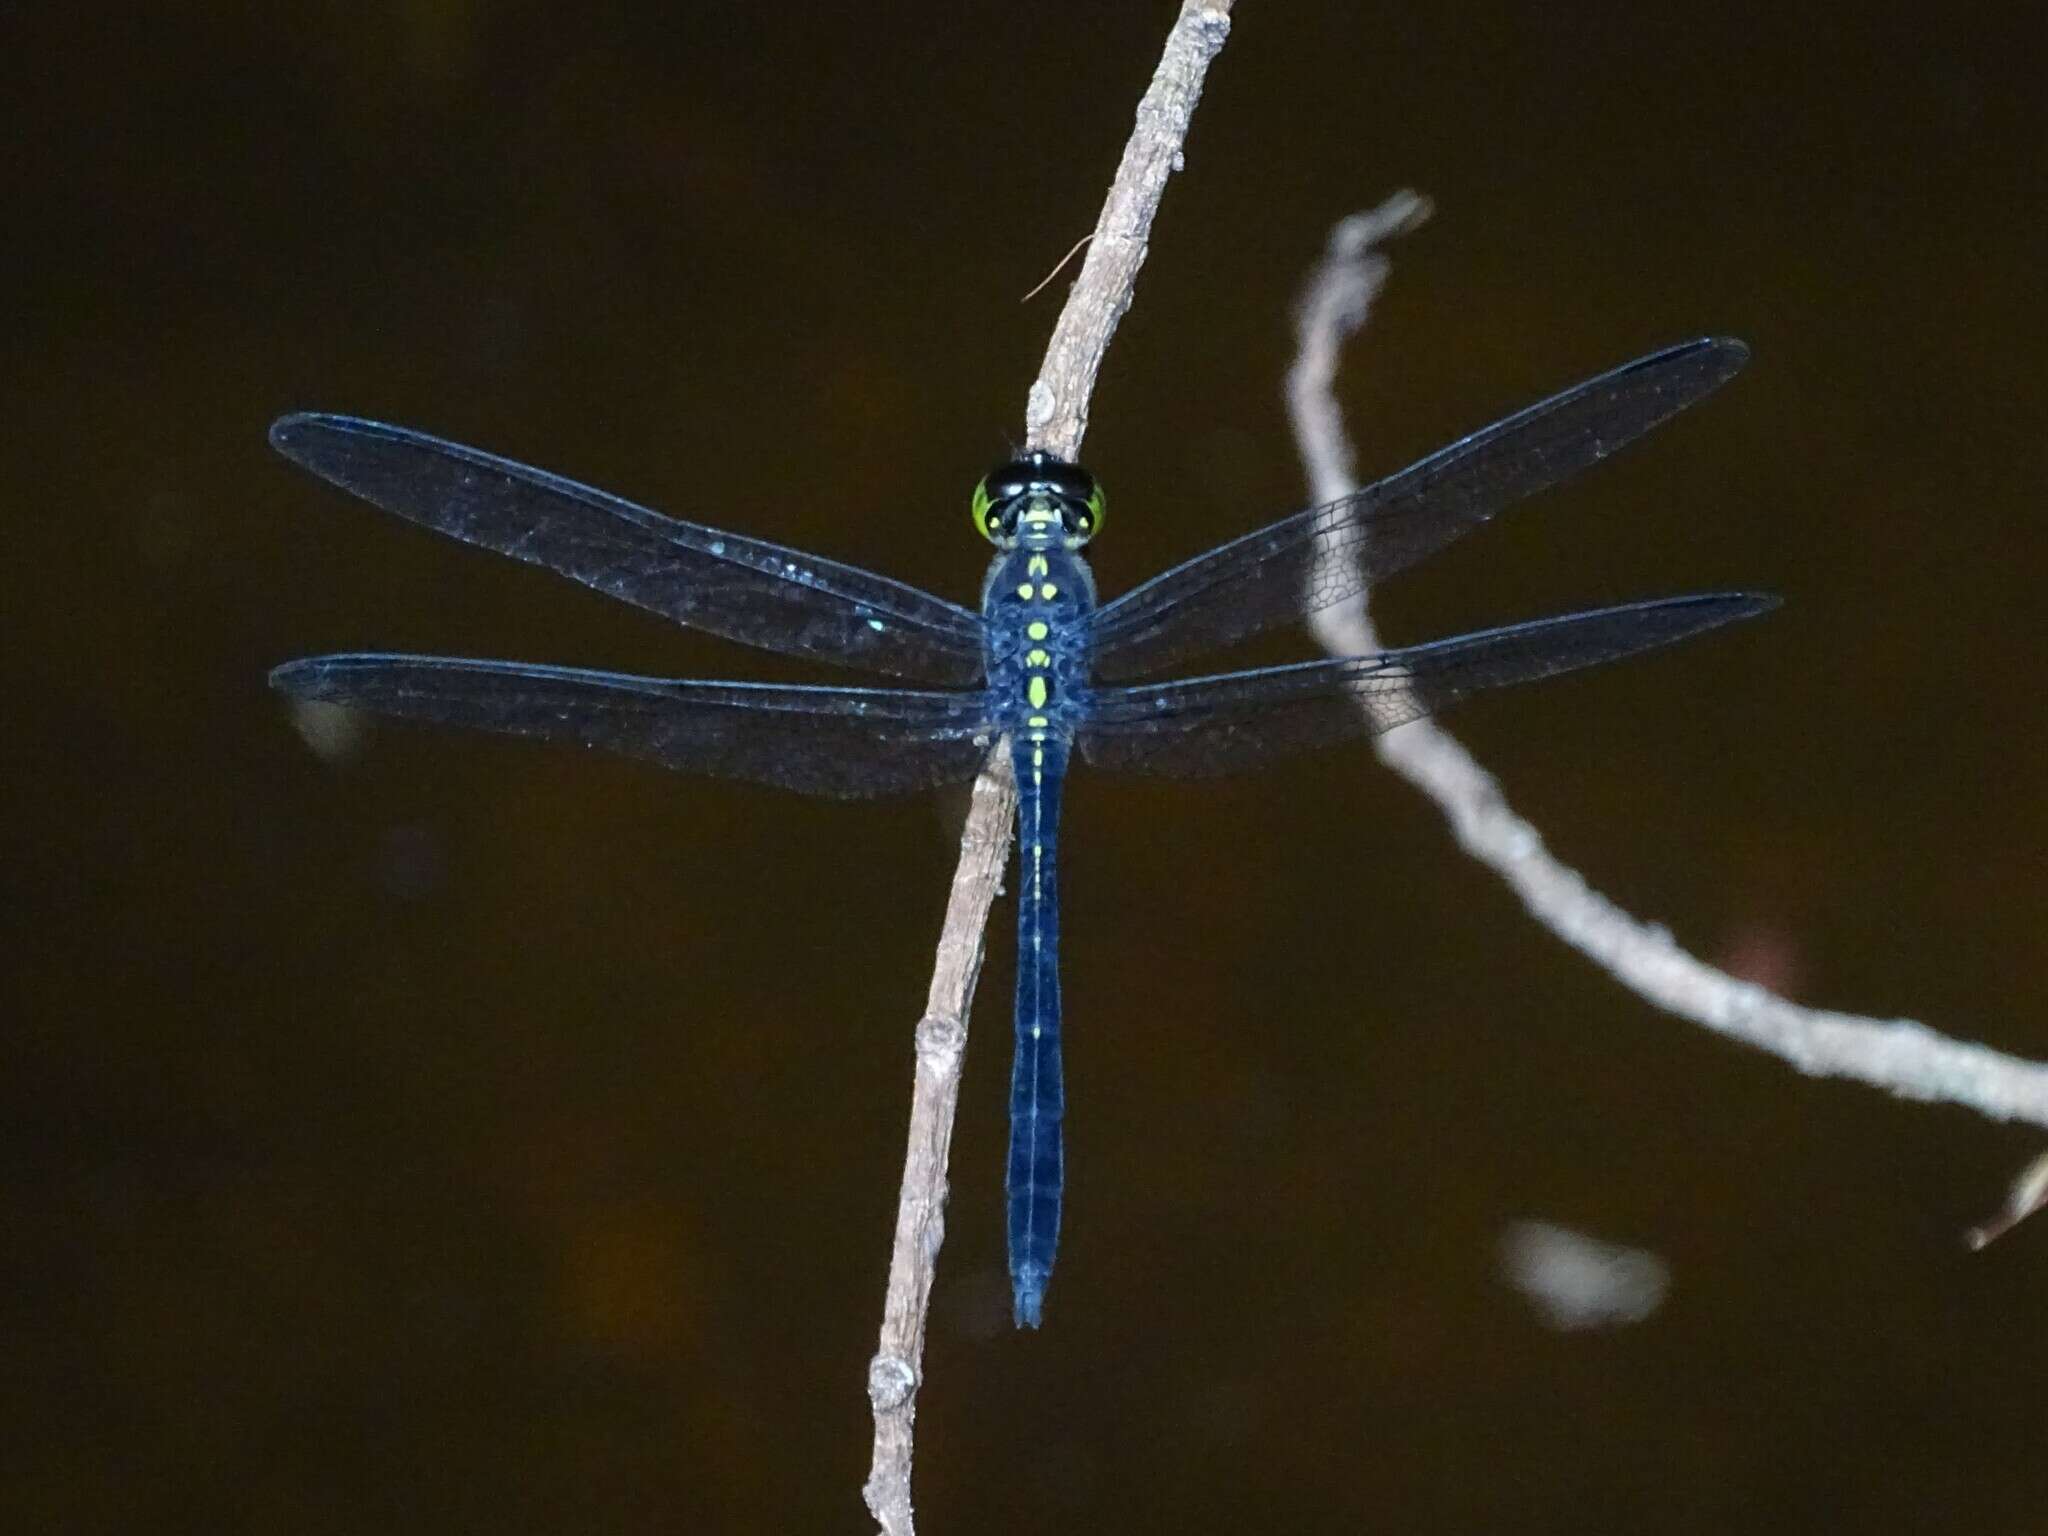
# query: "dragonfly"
{"type": "Point", "coordinates": [1041, 670]}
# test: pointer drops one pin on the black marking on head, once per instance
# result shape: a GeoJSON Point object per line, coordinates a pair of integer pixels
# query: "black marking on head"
{"type": "Point", "coordinates": [1038, 483]}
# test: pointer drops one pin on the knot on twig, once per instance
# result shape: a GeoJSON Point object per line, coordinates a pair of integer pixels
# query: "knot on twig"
{"type": "Point", "coordinates": [1211, 28]}
{"type": "Point", "coordinates": [891, 1381]}
{"type": "Point", "coordinates": [1039, 406]}
{"type": "Point", "coordinates": [939, 1034]}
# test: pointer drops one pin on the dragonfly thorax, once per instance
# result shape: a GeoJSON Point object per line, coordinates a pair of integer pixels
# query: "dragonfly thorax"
{"type": "Point", "coordinates": [1038, 501]}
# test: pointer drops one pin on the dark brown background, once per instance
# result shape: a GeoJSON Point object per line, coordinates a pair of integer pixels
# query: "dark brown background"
{"type": "Point", "coordinates": [470, 1137]}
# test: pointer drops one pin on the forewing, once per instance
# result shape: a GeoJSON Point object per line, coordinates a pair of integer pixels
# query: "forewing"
{"type": "Point", "coordinates": [1316, 558]}
{"type": "Point", "coordinates": [745, 589]}
{"type": "Point", "coordinates": [1201, 727]}
{"type": "Point", "coordinates": [849, 743]}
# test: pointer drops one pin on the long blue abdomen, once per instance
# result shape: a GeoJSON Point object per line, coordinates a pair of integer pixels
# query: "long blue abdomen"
{"type": "Point", "coordinates": [1037, 1094]}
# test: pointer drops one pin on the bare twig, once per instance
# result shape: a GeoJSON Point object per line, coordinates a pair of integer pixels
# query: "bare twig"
{"type": "Point", "coordinates": [1899, 1055]}
{"type": "Point", "coordinates": [1056, 417]}
{"type": "Point", "coordinates": [1056, 412]}
{"type": "Point", "coordinates": [921, 1207]}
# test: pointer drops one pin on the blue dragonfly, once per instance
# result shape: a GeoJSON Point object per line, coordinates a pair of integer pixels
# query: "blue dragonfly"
{"type": "Point", "coordinates": [1041, 666]}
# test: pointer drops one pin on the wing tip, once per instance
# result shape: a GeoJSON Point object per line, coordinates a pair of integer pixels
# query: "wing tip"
{"type": "Point", "coordinates": [302, 679]}
{"type": "Point", "coordinates": [1698, 612]}
{"type": "Point", "coordinates": [1748, 605]}
{"type": "Point", "coordinates": [1725, 356]}
{"type": "Point", "coordinates": [298, 434]}
{"type": "Point", "coordinates": [289, 429]}
{"type": "Point", "coordinates": [326, 679]}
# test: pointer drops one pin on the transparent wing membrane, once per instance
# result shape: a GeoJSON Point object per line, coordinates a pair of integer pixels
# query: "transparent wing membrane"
{"type": "Point", "coordinates": [744, 589]}
{"type": "Point", "coordinates": [1292, 568]}
{"type": "Point", "coordinates": [1205, 727]}
{"type": "Point", "coordinates": [849, 743]}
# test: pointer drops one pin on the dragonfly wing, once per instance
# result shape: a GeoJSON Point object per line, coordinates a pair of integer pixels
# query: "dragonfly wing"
{"type": "Point", "coordinates": [1201, 727]}
{"type": "Point", "coordinates": [849, 743]}
{"type": "Point", "coordinates": [1329, 553]}
{"type": "Point", "coordinates": [745, 589]}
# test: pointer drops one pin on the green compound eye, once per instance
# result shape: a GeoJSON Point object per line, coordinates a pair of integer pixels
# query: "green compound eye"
{"type": "Point", "coordinates": [978, 510]}
{"type": "Point", "coordinates": [1098, 509]}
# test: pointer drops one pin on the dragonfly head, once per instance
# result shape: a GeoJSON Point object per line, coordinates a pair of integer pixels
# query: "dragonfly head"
{"type": "Point", "coordinates": [1038, 502]}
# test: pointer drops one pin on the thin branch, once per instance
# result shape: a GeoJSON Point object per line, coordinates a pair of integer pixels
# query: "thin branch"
{"type": "Point", "coordinates": [1056, 411]}
{"type": "Point", "coordinates": [921, 1206]}
{"type": "Point", "coordinates": [1899, 1055]}
{"type": "Point", "coordinates": [1056, 418]}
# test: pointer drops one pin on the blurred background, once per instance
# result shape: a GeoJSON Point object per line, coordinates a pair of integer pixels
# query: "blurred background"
{"type": "Point", "coordinates": [415, 1132]}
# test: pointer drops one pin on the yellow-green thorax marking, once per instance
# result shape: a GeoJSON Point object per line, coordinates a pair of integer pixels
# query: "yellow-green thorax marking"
{"type": "Point", "coordinates": [1038, 511]}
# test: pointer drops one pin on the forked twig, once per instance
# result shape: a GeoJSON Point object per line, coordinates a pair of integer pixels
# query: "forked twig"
{"type": "Point", "coordinates": [1900, 1055]}
{"type": "Point", "coordinates": [1058, 267]}
{"type": "Point", "coordinates": [1056, 418]}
